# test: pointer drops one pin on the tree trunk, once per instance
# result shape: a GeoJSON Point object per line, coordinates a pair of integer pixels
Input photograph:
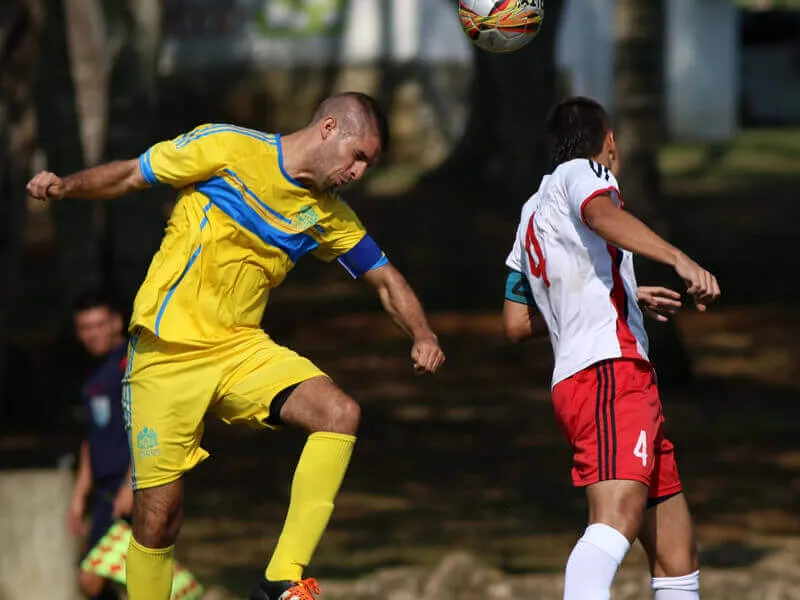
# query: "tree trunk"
{"type": "Point", "coordinates": [91, 54]}
{"type": "Point", "coordinates": [112, 49]}
{"type": "Point", "coordinates": [639, 121]}
{"type": "Point", "coordinates": [20, 25]}
{"type": "Point", "coordinates": [134, 224]}
{"type": "Point", "coordinates": [61, 138]}
{"type": "Point", "coordinates": [503, 144]}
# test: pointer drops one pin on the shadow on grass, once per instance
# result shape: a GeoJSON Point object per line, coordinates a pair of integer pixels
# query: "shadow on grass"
{"type": "Point", "coordinates": [473, 460]}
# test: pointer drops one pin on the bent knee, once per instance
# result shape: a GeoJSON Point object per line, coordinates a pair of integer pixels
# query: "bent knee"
{"type": "Point", "coordinates": [157, 517]}
{"type": "Point", "coordinates": [319, 405]}
{"type": "Point", "coordinates": [619, 504]}
{"type": "Point", "coordinates": [344, 415]}
{"type": "Point", "coordinates": [155, 531]}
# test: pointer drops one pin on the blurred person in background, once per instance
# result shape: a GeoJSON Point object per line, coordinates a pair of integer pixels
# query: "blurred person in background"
{"type": "Point", "coordinates": [104, 478]}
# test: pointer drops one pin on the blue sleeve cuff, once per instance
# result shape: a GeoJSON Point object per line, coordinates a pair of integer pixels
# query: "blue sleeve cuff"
{"type": "Point", "coordinates": [365, 256]}
{"type": "Point", "coordinates": [147, 168]}
{"type": "Point", "coordinates": [518, 289]}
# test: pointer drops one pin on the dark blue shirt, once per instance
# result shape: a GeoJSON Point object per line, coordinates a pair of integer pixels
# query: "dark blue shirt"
{"type": "Point", "coordinates": [102, 404]}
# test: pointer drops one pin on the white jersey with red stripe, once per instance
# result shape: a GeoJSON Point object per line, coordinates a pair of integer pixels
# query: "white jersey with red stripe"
{"type": "Point", "coordinates": [584, 287]}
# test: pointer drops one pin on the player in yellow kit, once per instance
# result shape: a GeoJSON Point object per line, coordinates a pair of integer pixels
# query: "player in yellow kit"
{"type": "Point", "coordinates": [250, 205]}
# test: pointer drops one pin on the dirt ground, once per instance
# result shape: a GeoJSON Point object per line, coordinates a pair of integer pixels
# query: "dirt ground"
{"type": "Point", "coordinates": [472, 461]}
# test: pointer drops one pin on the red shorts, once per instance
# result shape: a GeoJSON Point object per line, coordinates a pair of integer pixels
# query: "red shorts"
{"type": "Point", "coordinates": [611, 414]}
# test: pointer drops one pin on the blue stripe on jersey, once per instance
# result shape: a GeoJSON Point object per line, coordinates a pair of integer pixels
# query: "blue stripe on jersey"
{"type": "Point", "coordinates": [126, 401]}
{"type": "Point", "coordinates": [188, 266]}
{"type": "Point", "coordinates": [187, 138]}
{"type": "Point", "coordinates": [364, 256]}
{"type": "Point", "coordinates": [147, 169]}
{"type": "Point", "coordinates": [518, 289]}
{"type": "Point", "coordinates": [288, 177]}
{"type": "Point", "coordinates": [174, 286]}
{"type": "Point", "coordinates": [204, 222]}
{"type": "Point", "coordinates": [250, 193]}
{"type": "Point", "coordinates": [230, 201]}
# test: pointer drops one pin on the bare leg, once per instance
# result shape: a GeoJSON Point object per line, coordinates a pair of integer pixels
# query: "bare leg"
{"type": "Point", "coordinates": [320, 405]}
{"type": "Point", "coordinates": [615, 515]}
{"type": "Point", "coordinates": [668, 538]}
{"type": "Point", "coordinates": [157, 514]}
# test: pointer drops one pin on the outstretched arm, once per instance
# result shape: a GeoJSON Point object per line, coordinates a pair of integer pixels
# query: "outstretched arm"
{"type": "Point", "coordinates": [626, 231]}
{"type": "Point", "coordinates": [103, 182]}
{"type": "Point", "coordinates": [403, 305]}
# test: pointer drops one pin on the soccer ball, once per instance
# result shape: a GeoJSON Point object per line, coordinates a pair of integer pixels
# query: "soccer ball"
{"type": "Point", "coordinates": [501, 25]}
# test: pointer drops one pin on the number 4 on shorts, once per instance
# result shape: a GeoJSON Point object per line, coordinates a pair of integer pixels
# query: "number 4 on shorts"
{"type": "Point", "coordinates": [640, 451]}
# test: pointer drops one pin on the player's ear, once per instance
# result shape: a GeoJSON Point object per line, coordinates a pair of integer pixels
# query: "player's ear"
{"type": "Point", "coordinates": [327, 126]}
{"type": "Point", "coordinates": [610, 143]}
{"type": "Point", "coordinates": [613, 155]}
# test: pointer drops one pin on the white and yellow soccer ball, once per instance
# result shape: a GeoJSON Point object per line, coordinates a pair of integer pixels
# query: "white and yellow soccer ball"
{"type": "Point", "coordinates": [501, 25]}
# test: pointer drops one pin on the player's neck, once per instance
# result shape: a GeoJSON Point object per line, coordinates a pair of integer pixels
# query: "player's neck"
{"type": "Point", "coordinates": [603, 158]}
{"type": "Point", "coordinates": [297, 157]}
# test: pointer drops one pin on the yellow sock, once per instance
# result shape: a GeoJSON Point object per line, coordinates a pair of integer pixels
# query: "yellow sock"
{"type": "Point", "coordinates": [317, 479]}
{"type": "Point", "coordinates": [149, 572]}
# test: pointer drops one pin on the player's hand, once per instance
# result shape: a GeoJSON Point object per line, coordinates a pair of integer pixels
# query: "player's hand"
{"type": "Point", "coordinates": [657, 302]}
{"type": "Point", "coordinates": [427, 355]}
{"type": "Point", "coordinates": [46, 186]}
{"type": "Point", "coordinates": [123, 501]}
{"type": "Point", "coordinates": [75, 523]}
{"type": "Point", "coordinates": [701, 284]}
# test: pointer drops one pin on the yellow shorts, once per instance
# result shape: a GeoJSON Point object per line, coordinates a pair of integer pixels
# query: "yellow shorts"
{"type": "Point", "coordinates": [168, 388]}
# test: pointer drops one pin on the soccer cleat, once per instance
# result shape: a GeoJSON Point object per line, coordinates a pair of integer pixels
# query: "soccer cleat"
{"type": "Point", "coordinates": [286, 590]}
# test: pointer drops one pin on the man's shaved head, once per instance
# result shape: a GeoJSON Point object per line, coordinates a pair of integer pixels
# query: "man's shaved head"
{"type": "Point", "coordinates": [355, 113]}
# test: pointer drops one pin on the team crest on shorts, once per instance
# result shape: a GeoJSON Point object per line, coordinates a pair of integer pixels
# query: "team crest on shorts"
{"type": "Point", "coordinates": [147, 442]}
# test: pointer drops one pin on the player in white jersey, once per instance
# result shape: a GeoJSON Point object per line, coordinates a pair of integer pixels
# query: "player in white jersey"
{"type": "Point", "coordinates": [573, 260]}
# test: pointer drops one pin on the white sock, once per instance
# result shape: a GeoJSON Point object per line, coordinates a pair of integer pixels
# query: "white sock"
{"type": "Point", "coordinates": [686, 587]}
{"type": "Point", "coordinates": [593, 563]}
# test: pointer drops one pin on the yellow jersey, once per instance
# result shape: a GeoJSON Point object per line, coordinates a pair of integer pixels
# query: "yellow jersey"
{"type": "Point", "coordinates": [239, 226]}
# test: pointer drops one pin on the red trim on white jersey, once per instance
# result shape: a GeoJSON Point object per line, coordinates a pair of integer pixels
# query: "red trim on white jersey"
{"type": "Point", "coordinates": [590, 307]}
{"type": "Point", "coordinates": [602, 192]}
{"type": "Point", "coordinates": [619, 298]}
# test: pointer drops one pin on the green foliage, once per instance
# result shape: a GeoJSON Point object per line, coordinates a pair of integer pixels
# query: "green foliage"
{"type": "Point", "coordinates": [300, 18]}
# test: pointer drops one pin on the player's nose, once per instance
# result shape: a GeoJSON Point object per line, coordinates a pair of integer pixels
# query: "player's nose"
{"type": "Point", "coordinates": [357, 171]}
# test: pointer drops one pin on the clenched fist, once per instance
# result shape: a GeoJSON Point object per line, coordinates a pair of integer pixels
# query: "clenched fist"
{"type": "Point", "coordinates": [46, 186]}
